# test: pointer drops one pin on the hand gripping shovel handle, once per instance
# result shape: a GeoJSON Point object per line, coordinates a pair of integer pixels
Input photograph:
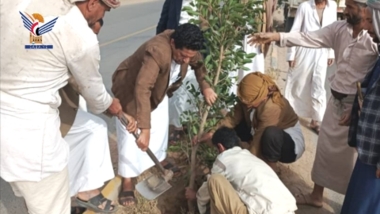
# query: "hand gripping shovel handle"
{"type": "Point", "coordinates": [125, 122]}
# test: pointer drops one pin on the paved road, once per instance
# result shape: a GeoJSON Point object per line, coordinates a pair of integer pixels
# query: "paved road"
{"type": "Point", "coordinates": [124, 30]}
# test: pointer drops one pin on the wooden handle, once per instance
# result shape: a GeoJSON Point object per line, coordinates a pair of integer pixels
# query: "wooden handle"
{"type": "Point", "coordinates": [125, 122]}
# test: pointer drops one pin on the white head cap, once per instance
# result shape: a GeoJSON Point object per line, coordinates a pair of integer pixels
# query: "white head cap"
{"type": "Point", "coordinates": [110, 3]}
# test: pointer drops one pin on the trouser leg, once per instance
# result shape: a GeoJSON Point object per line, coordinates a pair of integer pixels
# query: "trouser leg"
{"type": "Point", "coordinates": [277, 145]}
{"type": "Point", "coordinates": [50, 195]}
{"type": "Point", "coordinates": [223, 197]}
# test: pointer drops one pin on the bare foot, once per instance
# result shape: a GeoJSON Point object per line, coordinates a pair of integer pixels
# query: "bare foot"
{"type": "Point", "coordinates": [314, 125]}
{"type": "Point", "coordinates": [308, 200]}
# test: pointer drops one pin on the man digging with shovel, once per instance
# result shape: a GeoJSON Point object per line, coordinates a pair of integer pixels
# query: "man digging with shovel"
{"type": "Point", "coordinates": [142, 83]}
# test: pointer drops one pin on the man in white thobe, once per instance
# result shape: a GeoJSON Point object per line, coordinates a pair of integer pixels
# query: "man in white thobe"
{"type": "Point", "coordinates": [241, 183]}
{"type": "Point", "coordinates": [90, 162]}
{"type": "Point", "coordinates": [34, 156]}
{"type": "Point", "coordinates": [355, 55]}
{"type": "Point", "coordinates": [305, 85]}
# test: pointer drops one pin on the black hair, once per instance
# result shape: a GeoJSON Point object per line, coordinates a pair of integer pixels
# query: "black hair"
{"type": "Point", "coordinates": [101, 22]}
{"type": "Point", "coordinates": [225, 136]}
{"type": "Point", "coordinates": [188, 36]}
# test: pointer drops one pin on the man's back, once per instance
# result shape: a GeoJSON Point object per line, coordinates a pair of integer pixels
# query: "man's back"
{"type": "Point", "coordinates": [30, 81]}
{"type": "Point", "coordinates": [256, 183]}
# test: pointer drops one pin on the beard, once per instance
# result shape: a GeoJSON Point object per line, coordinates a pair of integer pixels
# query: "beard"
{"type": "Point", "coordinates": [354, 19]}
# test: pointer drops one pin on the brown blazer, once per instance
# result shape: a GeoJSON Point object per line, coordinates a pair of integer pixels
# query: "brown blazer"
{"type": "Point", "coordinates": [267, 114]}
{"type": "Point", "coordinates": [68, 109]}
{"type": "Point", "coordinates": [141, 81]}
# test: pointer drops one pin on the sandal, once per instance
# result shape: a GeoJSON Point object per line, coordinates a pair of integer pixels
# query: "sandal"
{"type": "Point", "coordinates": [175, 136]}
{"type": "Point", "coordinates": [315, 129]}
{"type": "Point", "coordinates": [176, 171]}
{"type": "Point", "coordinates": [77, 210]}
{"type": "Point", "coordinates": [303, 199]}
{"type": "Point", "coordinates": [94, 203]}
{"type": "Point", "coordinates": [127, 196]}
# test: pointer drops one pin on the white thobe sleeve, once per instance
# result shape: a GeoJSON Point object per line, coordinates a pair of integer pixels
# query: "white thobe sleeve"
{"type": "Point", "coordinates": [331, 53]}
{"type": "Point", "coordinates": [297, 27]}
{"type": "Point", "coordinates": [203, 198]}
{"type": "Point", "coordinates": [323, 38]}
{"type": "Point", "coordinates": [85, 70]}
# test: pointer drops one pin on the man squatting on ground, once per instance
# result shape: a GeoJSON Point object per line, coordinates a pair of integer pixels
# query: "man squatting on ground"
{"type": "Point", "coordinates": [240, 182]}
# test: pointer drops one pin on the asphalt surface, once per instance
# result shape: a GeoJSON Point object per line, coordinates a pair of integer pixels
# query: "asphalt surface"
{"type": "Point", "coordinates": [124, 30]}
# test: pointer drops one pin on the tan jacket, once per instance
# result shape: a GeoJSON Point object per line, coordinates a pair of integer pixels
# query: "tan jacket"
{"type": "Point", "coordinates": [267, 114]}
{"type": "Point", "coordinates": [141, 81]}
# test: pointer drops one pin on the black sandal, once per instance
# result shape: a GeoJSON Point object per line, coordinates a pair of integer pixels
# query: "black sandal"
{"type": "Point", "coordinates": [77, 210]}
{"type": "Point", "coordinates": [94, 203]}
{"type": "Point", "coordinates": [315, 129]}
{"type": "Point", "coordinates": [127, 196]}
{"type": "Point", "coordinates": [175, 136]}
{"type": "Point", "coordinates": [176, 171]}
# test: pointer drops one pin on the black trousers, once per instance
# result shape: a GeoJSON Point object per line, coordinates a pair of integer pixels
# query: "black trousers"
{"type": "Point", "coordinates": [277, 145]}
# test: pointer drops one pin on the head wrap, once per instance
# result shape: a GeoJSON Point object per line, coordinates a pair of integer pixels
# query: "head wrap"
{"type": "Point", "coordinates": [256, 86]}
{"type": "Point", "coordinates": [110, 3]}
{"type": "Point", "coordinates": [374, 6]}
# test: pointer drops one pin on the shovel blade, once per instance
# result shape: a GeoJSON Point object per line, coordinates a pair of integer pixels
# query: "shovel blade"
{"type": "Point", "coordinates": [151, 193]}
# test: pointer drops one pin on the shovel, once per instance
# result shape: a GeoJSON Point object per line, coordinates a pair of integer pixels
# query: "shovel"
{"type": "Point", "coordinates": [153, 186]}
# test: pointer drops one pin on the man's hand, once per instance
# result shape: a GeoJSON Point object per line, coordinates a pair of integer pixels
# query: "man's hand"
{"type": "Point", "coordinates": [132, 126]}
{"type": "Point", "coordinates": [378, 173]}
{"type": "Point", "coordinates": [203, 138]}
{"type": "Point", "coordinates": [210, 96]}
{"type": "Point", "coordinates": [115, 107]}
{"type": "Point", "coordinates": [291, 64]}
{"type": "Point", "coordinates": [262, 38]}
{"type": "Point", "coordinates": [143, 140]}
{"type": "Point", "coordinates": [330, 62]}
{"type": "Point", "coordinates": [190, 194]}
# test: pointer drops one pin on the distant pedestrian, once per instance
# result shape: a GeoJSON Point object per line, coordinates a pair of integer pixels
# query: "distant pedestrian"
{"type": "Point", "coordinates": [305, 84]}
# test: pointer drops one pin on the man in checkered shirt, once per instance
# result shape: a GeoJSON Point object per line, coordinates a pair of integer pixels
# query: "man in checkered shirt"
{"type": "Point", "coordinates": [363, 193]}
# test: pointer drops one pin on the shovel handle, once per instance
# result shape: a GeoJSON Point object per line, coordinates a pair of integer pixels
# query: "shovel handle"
{"type": "Point", "coordinates": [125, 122]}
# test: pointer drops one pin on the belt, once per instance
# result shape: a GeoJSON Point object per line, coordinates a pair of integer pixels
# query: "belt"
{"type": "Point", "coordinates": [338, 95]}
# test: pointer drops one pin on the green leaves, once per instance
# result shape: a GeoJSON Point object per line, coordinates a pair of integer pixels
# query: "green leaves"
{"type": "Point", "coordinates": [225, 24]}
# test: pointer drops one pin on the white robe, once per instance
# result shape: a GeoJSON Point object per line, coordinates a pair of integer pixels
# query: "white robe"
{"type": "Point", "coordinates": [257, 64]}
{"type": "Point", "coordinates": [178, 103]}
{"type": "Point", "coordinates": [90, 162]}
{"type": "Point", "coordinates": [132, 160]}
{"type": "Point", "coordinates": [306, 80]}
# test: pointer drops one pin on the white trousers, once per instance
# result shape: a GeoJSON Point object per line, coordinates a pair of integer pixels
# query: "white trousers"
{"type": "Point", "coordinates": [305, 85]}
{"type": "Point", "coordinates": [50, 195]}
{"type": "Point", "coordinates": [90, 160]}
{"type": "Point", "coordinates": [178, 102]}
{"type": "Point", "coordinates": [132, 160]}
